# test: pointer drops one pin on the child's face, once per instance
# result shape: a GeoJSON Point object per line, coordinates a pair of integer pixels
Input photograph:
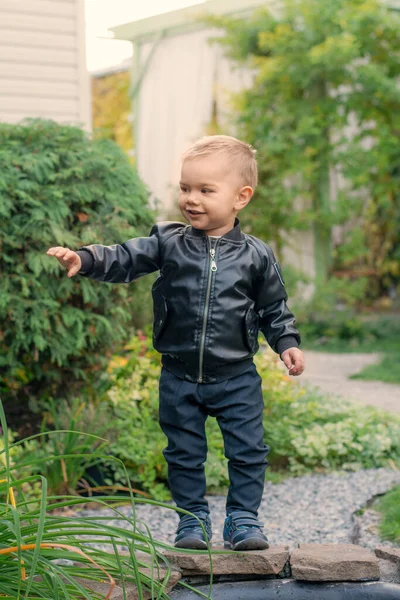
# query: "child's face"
{"type": "Point", "coordinates": [211, 194]}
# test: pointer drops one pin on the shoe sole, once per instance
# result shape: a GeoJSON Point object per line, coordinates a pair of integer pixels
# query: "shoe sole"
{"type": "Point", "coordinates": [251, 544]}
{"type": "Point", "coordinates": [192, 544]}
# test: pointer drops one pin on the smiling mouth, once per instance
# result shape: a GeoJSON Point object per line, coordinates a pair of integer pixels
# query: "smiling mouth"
{"type": "Point", "coordinates": [195, 212]}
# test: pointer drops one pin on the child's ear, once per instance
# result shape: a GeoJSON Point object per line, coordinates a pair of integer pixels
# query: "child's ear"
{"type": "Point", "coordinates": [243, 197]}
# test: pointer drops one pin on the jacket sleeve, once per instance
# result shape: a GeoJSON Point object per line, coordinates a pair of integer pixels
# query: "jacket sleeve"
{"type": "Point", "coordinates": [276, 321]}
{"type": "Point", "coordinates": [122, 263]}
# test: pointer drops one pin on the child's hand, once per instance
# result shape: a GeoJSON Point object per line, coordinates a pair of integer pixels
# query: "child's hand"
{"type": "Point", "coordinates": [67, 258]}
{"type": "Point", "coordinates": [294, 360]}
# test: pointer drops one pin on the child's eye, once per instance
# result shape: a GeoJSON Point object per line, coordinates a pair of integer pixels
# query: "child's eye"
{"type": "Point", "coordinates": [205, 191]}
{"type": "Point", "coordinates": [183, 189]}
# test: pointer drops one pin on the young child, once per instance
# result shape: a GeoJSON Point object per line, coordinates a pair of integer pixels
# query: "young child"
{"type": "Point", "coordinates": [216, 288]}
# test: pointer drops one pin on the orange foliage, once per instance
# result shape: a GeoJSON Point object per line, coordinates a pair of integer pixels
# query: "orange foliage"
{"type": "Point", "coordinates": [112, 109]}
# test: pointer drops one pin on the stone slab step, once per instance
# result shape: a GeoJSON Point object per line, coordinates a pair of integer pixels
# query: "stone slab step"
{"type": "Point", "coordinates": [257, 562]}
{"type": "Point", "coordinates": [334, 562]}
{"type": "Point", "coordinates": [309, 562]}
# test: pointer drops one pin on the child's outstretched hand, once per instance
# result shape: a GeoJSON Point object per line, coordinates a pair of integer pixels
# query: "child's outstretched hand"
{"type": "Point", "coordinates": [294, 360]}
{"type": "Point", "coordinates": [67, 258]}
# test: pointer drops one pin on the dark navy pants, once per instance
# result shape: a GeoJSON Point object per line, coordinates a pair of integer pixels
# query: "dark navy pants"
{"type": "Point", "coordinates": [237, 404]}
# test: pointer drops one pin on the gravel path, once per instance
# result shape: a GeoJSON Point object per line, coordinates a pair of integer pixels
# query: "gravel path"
{"type": "Point", "coordinates": [312, 508]}
{"type": "Point", "coordinates": [330, 372]}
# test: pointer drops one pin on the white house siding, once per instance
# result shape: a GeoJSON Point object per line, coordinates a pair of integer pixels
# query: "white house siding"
{"type": "Point", "coordinates": [42, 61]}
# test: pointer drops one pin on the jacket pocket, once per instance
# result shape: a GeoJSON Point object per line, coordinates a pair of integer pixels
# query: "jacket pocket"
{"type": "Point", "coordinates": [160, 316]}
{"type": "Point", "coordinates": [251, 330]}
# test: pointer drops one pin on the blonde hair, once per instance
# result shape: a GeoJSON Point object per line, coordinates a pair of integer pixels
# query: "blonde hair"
{"type": "Point", "coordinates": [241, 155]}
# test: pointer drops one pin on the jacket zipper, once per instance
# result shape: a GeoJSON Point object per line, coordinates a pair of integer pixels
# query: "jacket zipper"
{"type": "Point", "coordinates": [213, 268]}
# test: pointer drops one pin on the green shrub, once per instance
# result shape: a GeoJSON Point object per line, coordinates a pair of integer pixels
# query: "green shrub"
{"type": "Point", "coordinates": [134, 399]}
{"type": "Point", "coordinates": [57, 187]}
{"type": "Point", "coordinates": [305, 430]}
{"type": "Point", "coordinates": [345, 329]}
{"type": "Point", "coordinates": [308, 431]}
{"type": "Point", "coordinates": [321, 327]}
{"type": "Point", "coordinates": [77, 435]}
{"type": "Point", "coordinates": [314, 432]}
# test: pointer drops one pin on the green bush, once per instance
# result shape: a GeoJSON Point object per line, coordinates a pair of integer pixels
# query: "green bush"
{"type": "Point", "coordinates": [73, 433]}
{"type": "Point", "coordinates": [58, 187]}
{"type": "Point", "coordinates": [314, 432]}
{"type": "Point", "coordinates": [134, 399]}
{"type": "Point", "coordinates": [325, 325]}
{"type": "Point", "coordinates": [305, 430]}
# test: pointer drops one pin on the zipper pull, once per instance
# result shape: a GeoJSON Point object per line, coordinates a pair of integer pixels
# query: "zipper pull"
{"type": "Point", "coordinates": [213, 263]}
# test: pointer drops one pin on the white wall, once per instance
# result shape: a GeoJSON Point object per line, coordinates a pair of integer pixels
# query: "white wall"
{"type": "Point", "coordinates": [173, 108]}
{"type": "Point", "coordinates": [175, 104]}
{"type": "Point", "coordinates": [42, 61]}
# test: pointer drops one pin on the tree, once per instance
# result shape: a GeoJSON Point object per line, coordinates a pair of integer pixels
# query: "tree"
{"type": "Point", "coordinates": [325, 100]}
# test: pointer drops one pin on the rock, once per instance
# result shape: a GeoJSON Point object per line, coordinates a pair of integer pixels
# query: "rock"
{"type": "Point", "coordinates": [389, 553]}
{"type": "Point", "coordinates": [262, 562]}
{"type": "Point", "coordinates": [389, 563]}
{"type": "Point", "coordinates": [334, 562]}
{"type": "Point", "coordinates": [389, 571]}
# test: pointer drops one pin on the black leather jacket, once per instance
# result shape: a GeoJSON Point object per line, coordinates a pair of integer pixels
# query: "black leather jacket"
{"type": "Point", "coordinates": [210, 300]}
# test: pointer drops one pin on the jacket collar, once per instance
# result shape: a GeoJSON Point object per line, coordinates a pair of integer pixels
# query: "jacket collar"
{"type": "Point", "coordinates": [233, 234]}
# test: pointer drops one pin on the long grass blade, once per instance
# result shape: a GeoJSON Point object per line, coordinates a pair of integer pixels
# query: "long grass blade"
{"type": "Point", "coordinates": [71, 549]}
{"type": "Point", "coordinates": [39, 535]}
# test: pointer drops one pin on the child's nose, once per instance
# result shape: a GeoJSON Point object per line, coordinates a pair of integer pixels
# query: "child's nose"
{"type": "Point", "coordinates": [192, 198]}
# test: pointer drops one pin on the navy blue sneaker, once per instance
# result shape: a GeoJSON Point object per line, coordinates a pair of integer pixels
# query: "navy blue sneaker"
{"type": "Point", "coordinates": [242, 531]}
{"type": "Point", "coordinates": [190, 534]}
